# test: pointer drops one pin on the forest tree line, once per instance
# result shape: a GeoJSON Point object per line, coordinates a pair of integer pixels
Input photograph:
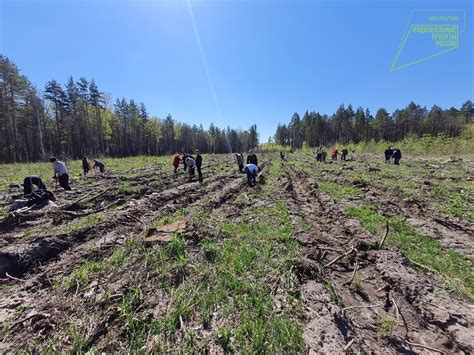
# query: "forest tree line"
{"type": "Point", "coordinates": [349, 125]}
{"type": "Point", "coordinates": [78, 119]}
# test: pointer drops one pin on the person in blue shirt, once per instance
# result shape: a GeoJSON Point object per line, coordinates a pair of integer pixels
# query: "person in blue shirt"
{"type": "Point", "coordinates": [251, 170]}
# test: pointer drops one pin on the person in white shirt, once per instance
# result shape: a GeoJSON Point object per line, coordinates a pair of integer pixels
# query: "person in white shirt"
{"type": "Point", "coordinates": [60, 173]}
{"type": "Point", "coordinates": [190, 163]}
{"type": "Point", "coordinates": [251, 170]}
{"type": "Point", "coordinates": [240, 161]}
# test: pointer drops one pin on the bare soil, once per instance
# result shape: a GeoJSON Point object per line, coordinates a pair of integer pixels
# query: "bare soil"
{"type": "Point", "coordinates": [354, 296]}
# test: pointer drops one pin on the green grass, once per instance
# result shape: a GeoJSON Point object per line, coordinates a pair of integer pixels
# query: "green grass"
{"type": "Point", "coordinates": [338, 191]}
{"type": "Point", "coordinates": [81, 276]}
{"type": "Point", "coordinates": [456, 272]}
{"type": "Point", "coordinates": [84, 274]}
{"type": "Point", "coordinates": [456, 199]}
{"type": "Point", "coordinates": [235, 279]}
{"type": "Point", "coordinates": [83, 222]}
{"type": "Point", "coordinates": [276, 168]}
{"type": "Point", "coordinates": [136, 327]}
{"type": "Point", "coordinates": [126, 188]}
{"type": "Point", "coordinates": [335, 190]}
{"type": "Point", "coordinates": [177, 215]}
{"type": "Point", "coordinates": [406, 187]}
{"type": "Point", "coordinates": [386, 325]}
{"type": "Point", "coordinates": [368, 217]}
{"type": "Point", "coordinates": [422, 146]}
{"type": "Point", "coordinates": [15, 173]}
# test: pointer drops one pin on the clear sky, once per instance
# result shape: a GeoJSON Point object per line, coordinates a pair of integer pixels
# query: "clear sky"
{"type": "Point", "coordinates": [241, 62]}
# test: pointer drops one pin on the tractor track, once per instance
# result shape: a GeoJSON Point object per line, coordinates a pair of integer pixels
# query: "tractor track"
{"type": "Point", "coordinates": [387, 286]}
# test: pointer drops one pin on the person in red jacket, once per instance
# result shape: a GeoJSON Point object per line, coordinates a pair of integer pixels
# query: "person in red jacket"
{"type": "Point", "coordinates": [86, 166]}
{"type": "Point", "coordinates": [176, 162]}
{"type": "Point", "coordinates": [335, 153]}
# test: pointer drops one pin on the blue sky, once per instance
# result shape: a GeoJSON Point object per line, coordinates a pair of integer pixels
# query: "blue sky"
{"type": "Point", "coordinates": [265, 59]}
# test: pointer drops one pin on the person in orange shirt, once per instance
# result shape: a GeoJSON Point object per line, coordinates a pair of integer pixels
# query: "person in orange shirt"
{"type": "Point", "coordinates": [176, 162]}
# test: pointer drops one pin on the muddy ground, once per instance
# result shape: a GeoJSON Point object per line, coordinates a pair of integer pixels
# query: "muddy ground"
{"type": "Point", "coordinates": [80, 275]}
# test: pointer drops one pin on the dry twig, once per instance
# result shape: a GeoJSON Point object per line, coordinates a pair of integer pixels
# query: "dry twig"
{"type": "Point", "coordinates": [424, 346]}
{"type": "Point", "coordinates": [353, 274]}
{"type": "Point", "coordinates": [348, 345]}
{"type": "Point", "coordinates": [363, 306]}
{"type": "Point", "coordinates": [340, 256]}
{"type": "Point", "coordinates": [387, 228]}
{"type": "Point", "coordinates": [14, 278]}
{"type": "Point", "coordinates": [31, 316]}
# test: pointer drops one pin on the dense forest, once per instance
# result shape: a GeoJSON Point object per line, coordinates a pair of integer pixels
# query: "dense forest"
{"type": "Point", "coordinates": [78, 119]}
{"type": "Point", "coordinates": [347, 125]}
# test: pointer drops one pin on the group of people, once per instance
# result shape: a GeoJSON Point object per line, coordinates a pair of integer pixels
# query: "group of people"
{"type": "Point", "coordinates": [251, 168]}
{"type": "Point", "coordinates": [61, 175]}
{"type": "Point", "coordinates": [393, 153]}
{"type": "Point", "coordinates": [86, 166]}
{"type": "Point", "coordinates": [190, 164]}
{"type": "Point", "coordinates": [321, 154]}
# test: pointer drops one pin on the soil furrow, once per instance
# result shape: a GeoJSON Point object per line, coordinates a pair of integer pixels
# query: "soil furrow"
{"type": "Point", "coordinates": [385, 289]}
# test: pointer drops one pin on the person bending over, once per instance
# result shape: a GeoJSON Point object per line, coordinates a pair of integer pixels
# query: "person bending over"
{"type": "Point", "coordinates": [61, 173]}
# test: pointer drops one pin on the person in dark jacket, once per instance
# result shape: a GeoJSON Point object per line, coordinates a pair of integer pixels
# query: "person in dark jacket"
{"type": "Point", "coordinates": [185, 164]}
{"type": "Point", "coordinates": [86, 166]}
{"type": "Point", "coordinates": [252, 158]}
{"type": "Point", "coordinates": [198, 161]}
{"type": "Point", "coordinates": [319, 154]}
{"type": "Point", "coordinates": [100, 165]}
{"type": "Point", "coordinates": [344, 153]}
{"type": "Point", "coordinates": [388, 154]}
{"type": "Point", "coordinates": [397, 155]}
{"type": "Point", "coordinates": [30, 181]}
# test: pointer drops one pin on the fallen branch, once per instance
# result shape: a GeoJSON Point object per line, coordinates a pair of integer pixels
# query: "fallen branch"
{"type": "Point", "coordinates": [387, 228]}
{"type": "Point", "coordinates": [339, 257]}
{"type": "Point", "coordinates": [365, 306]}
{"type": "Point", "coordinates": [19, 212]}
{"type": "Point", "coordinates": [100, 194]}
{"type": "Point", "coordinates": [92, 198]}
{"type": "Point", "coordinates": [80, 199]}
{"type": "Point", "coordinates": [14, 278]}
{"type": "Point", "coordinates": [451, 225]}
{"type": "Point", "coordinates": [89, 212]}
{"type": "Point", "coordinates": [145, 227]}
{"type": "Point", "coordinates": [348, 345]}
{"type": "Point", "coordinates": [329, 248]}
{"type": "Point", "coordinates": [181, 323]}
{"type": "Point", "coordinates": [353, 275]}
{"type": "Point", "coordinates": [398, 313]}
{"type": "Point", "coordinates": [424, 267]}
{"type": "Point", "coordinates": [423, 346]}
{"type": "Point", "coordinates": [34, 315]}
